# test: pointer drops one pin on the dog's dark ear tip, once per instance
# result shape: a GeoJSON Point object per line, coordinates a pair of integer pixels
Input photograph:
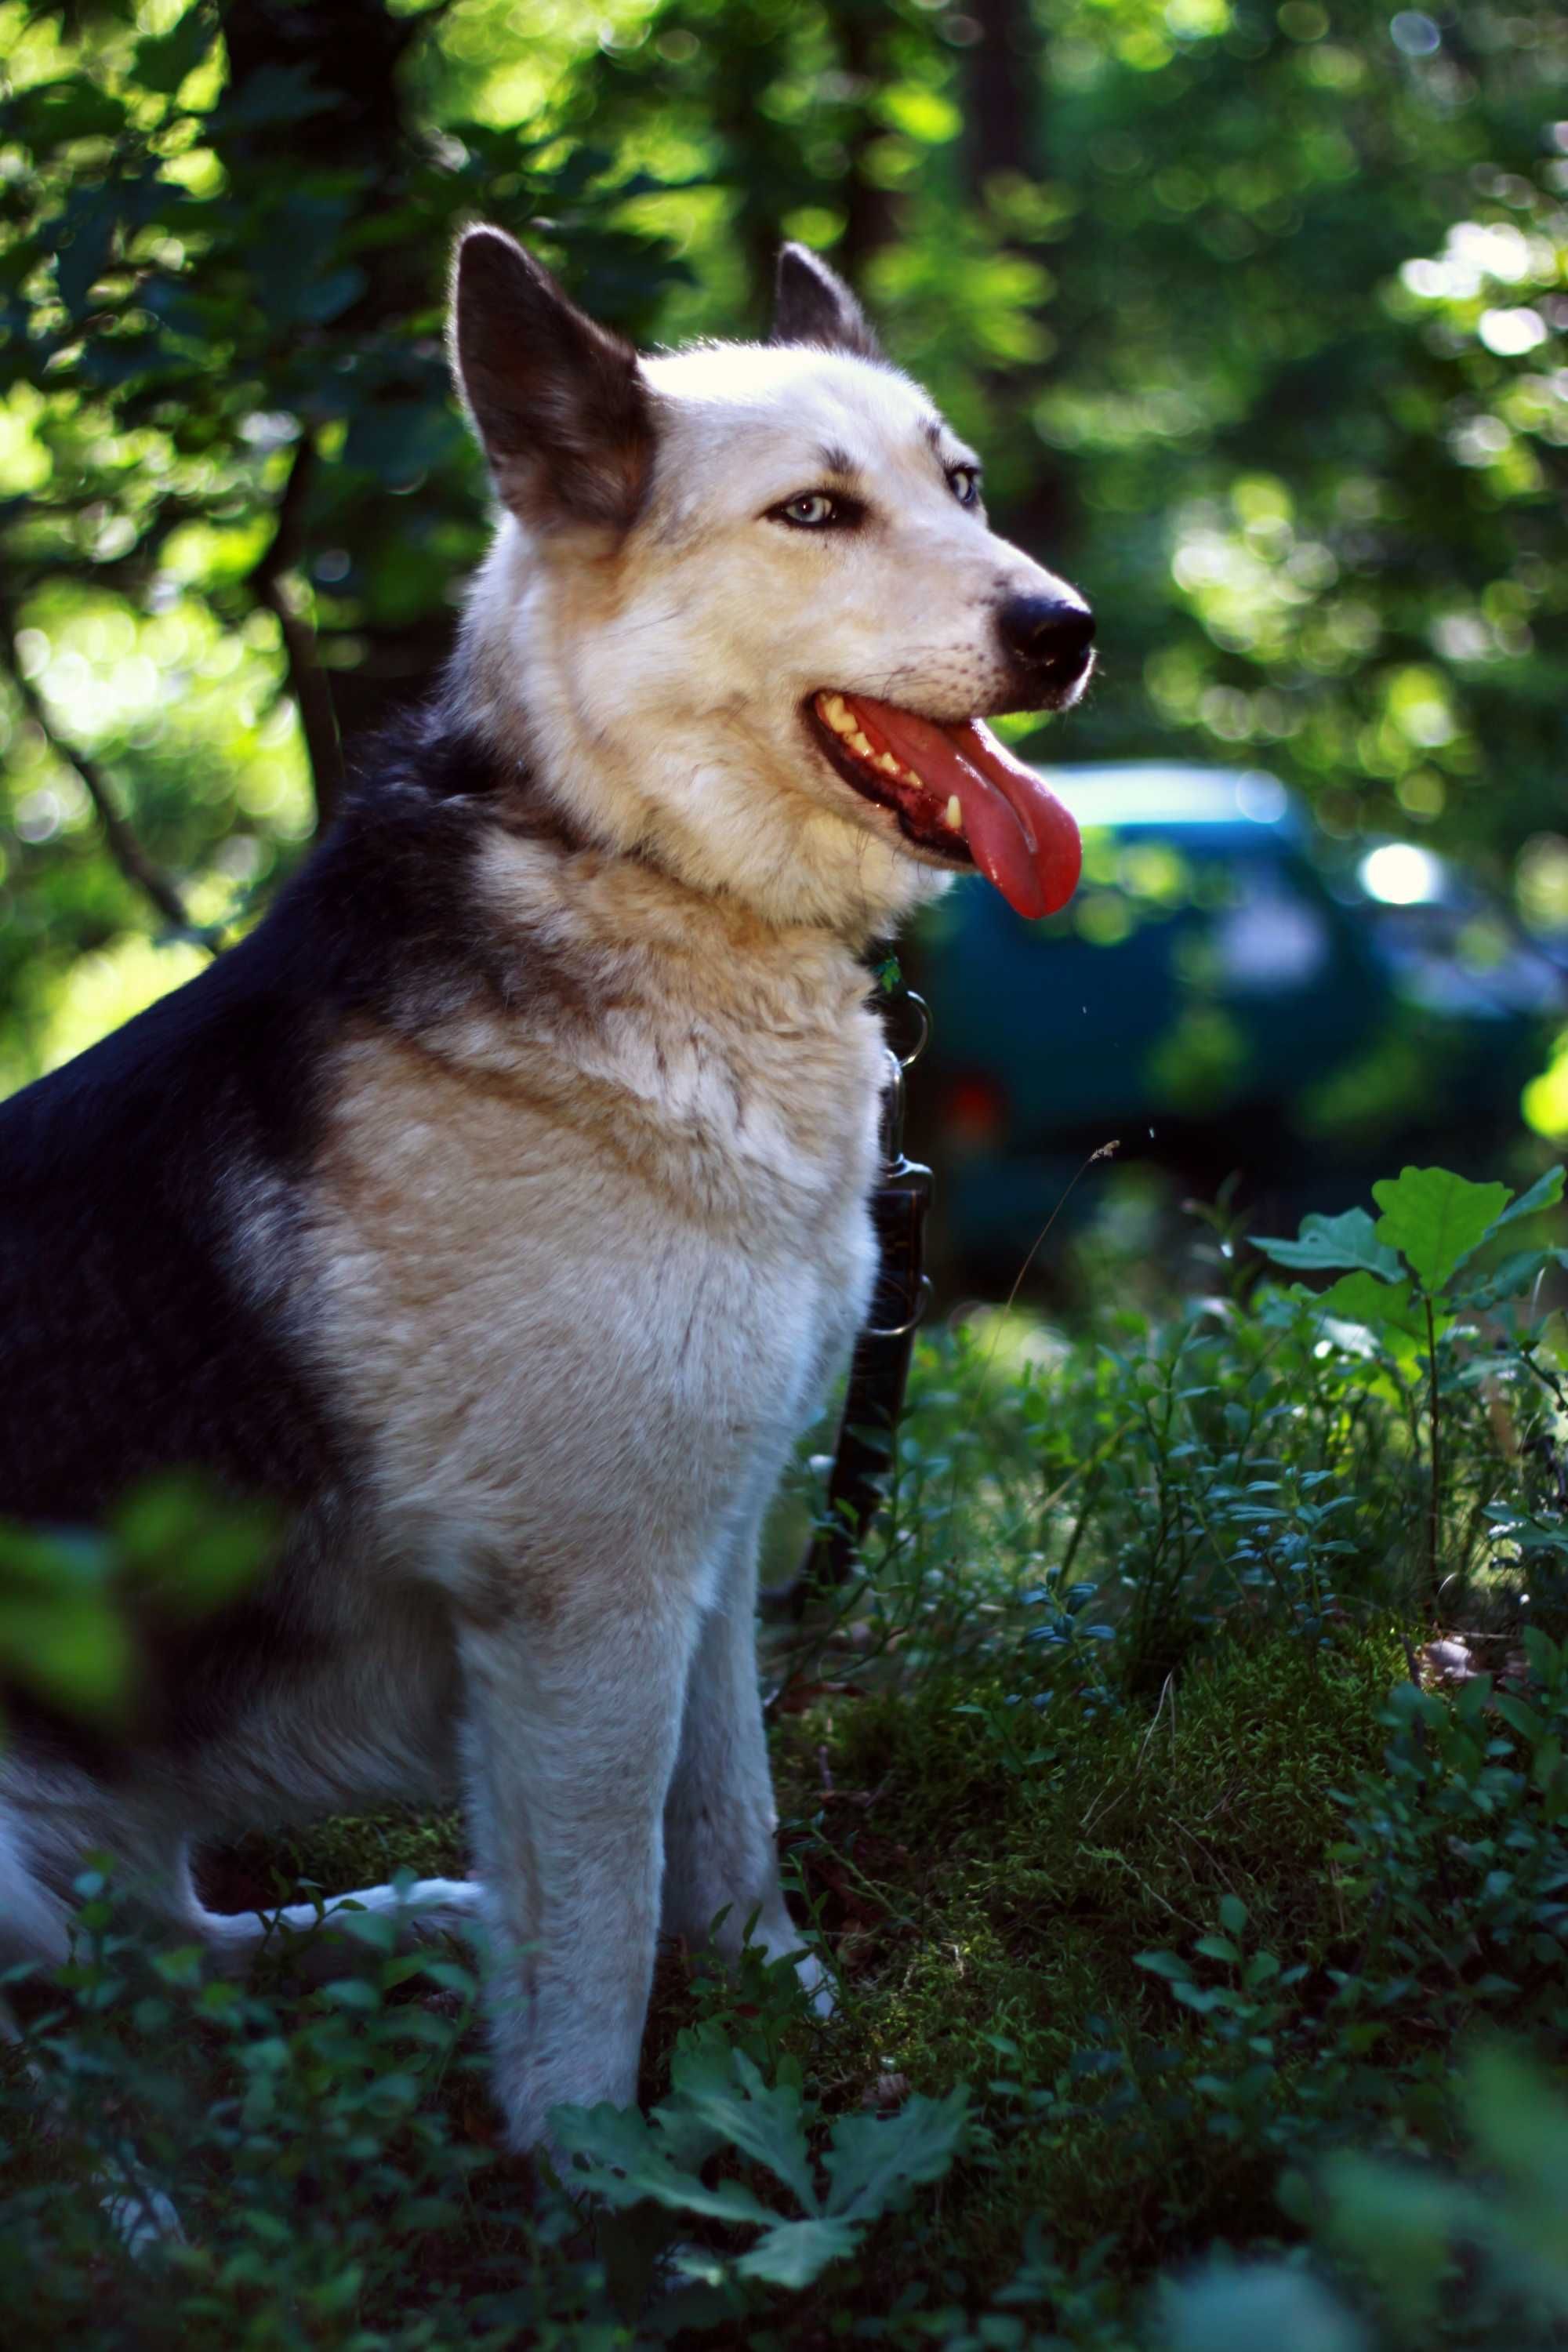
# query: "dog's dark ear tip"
{"type": "Point", "coordinates": [798, 261]}
{"type": "Point", "coordinates": [484, 250]}
{"type": "Point", "coordinates": [812, 305]}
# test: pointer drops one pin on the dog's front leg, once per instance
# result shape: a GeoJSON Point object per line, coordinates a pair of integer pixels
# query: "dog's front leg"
{"type": "Point", "coordinates": [721, 1822]}
{"type": "Point", "coordinates": [572, 1728]}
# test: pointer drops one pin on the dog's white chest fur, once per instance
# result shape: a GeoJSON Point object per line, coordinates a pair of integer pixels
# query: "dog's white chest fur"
{"type": "Point", "coordinates": [590, 1267]}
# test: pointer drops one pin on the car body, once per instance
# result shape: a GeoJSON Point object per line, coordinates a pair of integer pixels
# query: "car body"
{"type": "Point", "coordinates": [1229, 990]}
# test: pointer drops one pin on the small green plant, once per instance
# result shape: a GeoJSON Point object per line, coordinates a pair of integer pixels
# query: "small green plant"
{"type": "Point", "coordinates": [719, 2105]}
{"type": "Point", "coordinates": [1396, 1278]}
{"type": "Point", "coordinates": [1457, 1853]}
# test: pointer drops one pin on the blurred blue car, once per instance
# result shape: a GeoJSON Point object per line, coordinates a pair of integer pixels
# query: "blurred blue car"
{"type": "Point", "coordinates": [1228, 990]}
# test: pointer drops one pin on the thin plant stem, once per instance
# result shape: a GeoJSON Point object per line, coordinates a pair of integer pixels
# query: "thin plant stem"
{"type": "Point", "coordinates": [1434, 1452]}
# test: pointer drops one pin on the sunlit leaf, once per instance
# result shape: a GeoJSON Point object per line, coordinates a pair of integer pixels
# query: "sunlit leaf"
{"type": "Point", "coordinates": [1381, 1305]}
{"type": "Point", "coordinates": [1434, 1219]}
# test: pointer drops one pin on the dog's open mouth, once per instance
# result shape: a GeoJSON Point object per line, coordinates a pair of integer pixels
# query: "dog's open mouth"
{"type": "Point", "coordinates": [957, 793]}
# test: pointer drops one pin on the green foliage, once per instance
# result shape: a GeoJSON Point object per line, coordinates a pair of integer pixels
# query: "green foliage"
{"type": "Point", "coordinates": [1435, 1222]}
{"type": "Point", "coordinates": [228, 447]}
{"type": "Point", "coordinates": [718, 2100]}
{"type": "Point", "coordinates": [316, 2170]}
{"type": "Point", "coordinates": [1488, 2252]}
{"type": "Point", "coordinates": [1459, 1853]}
{"type": "Point", "coordinates": [70, 1603]}
{"type": "Point", "coordinates": [1435, 1219]}
{"type": "Point", "coordinates": [1434, 2257]}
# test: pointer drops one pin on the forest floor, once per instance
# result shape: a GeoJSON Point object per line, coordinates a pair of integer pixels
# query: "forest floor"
{"type": "Point", "coordinates": [1196, 1895]}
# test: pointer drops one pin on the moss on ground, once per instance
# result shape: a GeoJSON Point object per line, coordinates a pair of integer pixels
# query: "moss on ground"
{"type": "Point", "coordinates": [337, 1855]}
{"type": "Point", "coordinates": [989, 1918]}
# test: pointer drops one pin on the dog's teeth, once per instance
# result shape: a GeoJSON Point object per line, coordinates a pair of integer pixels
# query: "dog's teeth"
{"type": "Point", "coordinates": [953, 815]}
{"type": "Point", "coordinates": [888, 764]}
{"type": "Point", "coordinates": [860, 743]}
{"type": "Point", "coordinates": [908, 776]}
{"type": "Point", "coordinates": [836, 712]}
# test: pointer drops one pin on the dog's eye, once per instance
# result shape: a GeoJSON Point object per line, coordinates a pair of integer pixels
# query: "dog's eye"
{"type": "Point", "coordinates": [965, 482]}
{"type": "Point", "coordinates": [812, 511]}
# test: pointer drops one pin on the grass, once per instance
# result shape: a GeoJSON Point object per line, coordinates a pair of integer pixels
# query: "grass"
{"type": "Point", "coordinates": [1128, 1799]}
{"type": "Point", "coordinates": [1016, 1905]}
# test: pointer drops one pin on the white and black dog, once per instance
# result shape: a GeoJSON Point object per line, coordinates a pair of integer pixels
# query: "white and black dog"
{"type": "Point", "coordinates": [499, 1206]}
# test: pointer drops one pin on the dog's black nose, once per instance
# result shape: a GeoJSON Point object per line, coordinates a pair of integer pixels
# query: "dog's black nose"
{"type": "Point", "coordinates": [1050, 634]}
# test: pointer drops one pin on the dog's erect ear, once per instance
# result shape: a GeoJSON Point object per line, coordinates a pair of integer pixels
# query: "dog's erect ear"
{"type": "Point", "coordinates": [557, 401]}
{"type": "Point", "coordinates": [812, 305]}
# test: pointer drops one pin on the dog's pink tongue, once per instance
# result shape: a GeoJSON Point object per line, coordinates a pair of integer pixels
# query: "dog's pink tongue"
{"type": "Point", "coordinates": [1022, 838]}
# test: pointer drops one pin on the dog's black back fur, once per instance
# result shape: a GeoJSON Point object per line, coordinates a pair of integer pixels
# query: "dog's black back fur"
{"type": "Point", "coordinates": [128, 1344]}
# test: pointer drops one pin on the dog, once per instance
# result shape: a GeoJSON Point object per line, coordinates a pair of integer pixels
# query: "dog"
{"type": "Point", "coordinates": [498, 1207]}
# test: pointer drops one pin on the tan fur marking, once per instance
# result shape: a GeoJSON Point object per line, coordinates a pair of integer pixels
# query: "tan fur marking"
{"type": "Point", "coordinates": [675, 1178]}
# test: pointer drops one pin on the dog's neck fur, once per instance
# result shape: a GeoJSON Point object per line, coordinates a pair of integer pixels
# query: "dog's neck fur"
{"type": "Point", "coordinates": [699, 798]}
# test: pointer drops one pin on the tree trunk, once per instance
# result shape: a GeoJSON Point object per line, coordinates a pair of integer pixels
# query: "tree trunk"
{"type": "Point", "coordinates": [352, 50]}
{"type": "Point", "coordinates": [872, 211]}
{"type": "Point", "coordinates": [1005, 134]}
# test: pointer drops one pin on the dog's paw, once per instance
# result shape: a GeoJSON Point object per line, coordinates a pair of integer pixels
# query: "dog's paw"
{"type": "Point", "coordinates": [817, 1986]}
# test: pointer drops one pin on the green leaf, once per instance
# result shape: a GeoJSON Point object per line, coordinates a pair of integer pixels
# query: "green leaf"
{"type": "Point", "coordinates": [190, 1548]}
{"type": "Point", "coordinates": [1327, 1243]}
{"type": "Point", "coordinates": [450, 1976]}
{"type": "Point", "coordinates": [1512, 1278]}
{"type": "Point", "coordinates": [1202, 2001]}
{"type": "Point", "coordinates": [1381, 1305]}
{"type": "Point", "coordinates": [1530, 1533]}
{"type": "Point", "coordinates": [1519, 1716]}
{"type": "Point", "coordinates": [351, 1992]}
{"type": "Point", "coordinates": [793, 2253]}
{"type": "Point", "coordinates": [1233, 1913]}
{"type": "Point", "coordinates": [1168, 1965]}
{"type": "Point", "coordinates": [72, 1648]}
{"type": "Point", "coordinates": [626, 2166]}
{"type": "Point", "coordinates": [1544, 1193]}
{"type": "Point", "coordinates": [162, 60]}
{"type": "Point", "coordinates": [1236, 2307]}
{"type": "Point", "coordinates": [376, 1930]}
{"type": "Point", "coordinates": [873, 2161]}
{"type": "Point", "coordinates": [1545, 1657]}
{"type": "Point", "coordinates": [763, 2120]}
{"type": "Point", "coordinates": [1435, 1219]}
{"type": "Point", "coordinates": [50, 113]}
{"type": "Point", "coordinates": [1520, 2129]}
